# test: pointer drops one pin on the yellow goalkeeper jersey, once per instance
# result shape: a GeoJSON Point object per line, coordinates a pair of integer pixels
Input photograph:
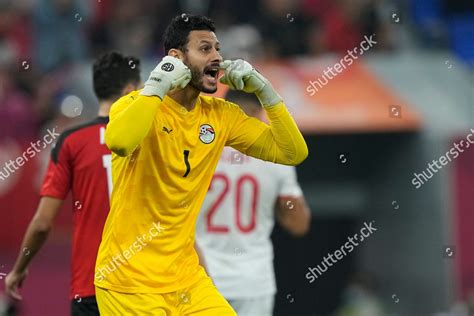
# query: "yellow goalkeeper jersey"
{"type": "Point", "coordinates": [159, 184]}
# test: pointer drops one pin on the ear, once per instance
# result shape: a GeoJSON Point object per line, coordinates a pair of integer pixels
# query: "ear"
{"type": "Point", "coordinates": [177, 53]}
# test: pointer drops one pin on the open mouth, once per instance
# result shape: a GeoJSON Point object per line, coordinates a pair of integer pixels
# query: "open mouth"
{"type": "Point", "coordinates": [211, 73]}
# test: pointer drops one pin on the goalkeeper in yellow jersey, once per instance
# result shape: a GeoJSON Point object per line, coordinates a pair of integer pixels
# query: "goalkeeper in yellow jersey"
{"type": "Point", "coordinates": [166, 141]}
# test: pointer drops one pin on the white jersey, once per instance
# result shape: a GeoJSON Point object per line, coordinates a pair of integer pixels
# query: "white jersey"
{"type": "Point", "coordinates": [236, 220]}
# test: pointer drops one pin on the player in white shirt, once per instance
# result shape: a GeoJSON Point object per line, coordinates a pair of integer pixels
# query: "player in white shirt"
{"type": "Point", "coordinates": [233, 229]}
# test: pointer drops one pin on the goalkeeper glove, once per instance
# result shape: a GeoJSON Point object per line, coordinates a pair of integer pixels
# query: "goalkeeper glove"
{"type": "Point", "coordinates": [240, 75]}
{"type": "Point", "coordinates": [170, 73]}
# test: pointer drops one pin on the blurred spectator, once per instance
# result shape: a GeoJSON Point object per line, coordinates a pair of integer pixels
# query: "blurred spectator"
{"type": "Point", "coordinates": [60, 36]}
{"type": "Point", "coordinates": [18, 118]}
{"type": "Point", "coordinates": [241, 41]}
{"type": "Point", "coordinates": [130, 28]}
{"type": "Point", "coordinates": [228, 12]}
{"type": "Point", "coordinates": [50, 90]}
{"type": "Point", "coordinates": [65, 30]}
{"type": "Point", "coordinates": [341, 31]}
{"type": "Point", "coordinates": [200, 7]}
{"type": "Point", "coordinates": [284, 28]}
{"type": "Point", "coordinates": [15, 28]}
{"type": "Point", "coordinates": [345, 22]}
{"type": "Point", "coordinates": [373, 19]}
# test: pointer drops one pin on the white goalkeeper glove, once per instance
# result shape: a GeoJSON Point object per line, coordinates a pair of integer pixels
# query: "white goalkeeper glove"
{"type": "Point", "coordinates": [170, 73]}
{"type": "Point", "coordinates": [240, 75]}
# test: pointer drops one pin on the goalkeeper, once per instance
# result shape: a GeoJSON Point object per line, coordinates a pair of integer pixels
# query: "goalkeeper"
{"type": "Point", "coordinates": [166, 141]}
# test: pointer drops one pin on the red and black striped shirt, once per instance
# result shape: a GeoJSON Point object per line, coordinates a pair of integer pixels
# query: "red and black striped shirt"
{"type": "Point", "coordinates": [81, 163]}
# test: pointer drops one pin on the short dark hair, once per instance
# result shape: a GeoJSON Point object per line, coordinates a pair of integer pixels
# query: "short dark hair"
{"type": "Point", "coordinates": [112, 72]}
{"type": "Point", "coordinates": [176, 34]}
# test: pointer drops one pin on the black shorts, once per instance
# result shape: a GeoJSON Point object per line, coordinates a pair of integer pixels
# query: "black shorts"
{"type": "Point", "coordinates": [85, 306]}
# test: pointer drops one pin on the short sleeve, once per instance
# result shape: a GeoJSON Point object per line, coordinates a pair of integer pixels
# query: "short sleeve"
{"type": "Point", "coordinates": [243, 130]}
{"type": "Point", "coordinates": [289, 183]}
{"type": "Point", "coordinates": [57, 181]}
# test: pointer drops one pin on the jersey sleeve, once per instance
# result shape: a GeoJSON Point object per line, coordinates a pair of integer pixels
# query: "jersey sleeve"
{"type": "Point", "coordinates": [244, 130]}
{"type": "Point", "coordinates": [121, 104]}
{"type": "Point", "coordinates": [57, 181]}
{"type": "Point", "coordinates": [131, 118]}
{"type": "Point", "coordinates": [280, 142]}
{"type": "Point", "coordinates": [289, 183]}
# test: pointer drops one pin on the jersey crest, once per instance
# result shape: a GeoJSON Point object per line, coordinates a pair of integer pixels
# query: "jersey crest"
{"type": "Point", "coordinates": [206, 133]}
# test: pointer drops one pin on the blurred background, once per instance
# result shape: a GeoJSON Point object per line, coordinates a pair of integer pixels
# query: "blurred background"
{"type": "Point", "coordinates": [399, 105]}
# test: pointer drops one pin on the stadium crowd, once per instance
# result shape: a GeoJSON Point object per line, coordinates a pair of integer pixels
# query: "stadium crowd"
{"type": "Point", "coordinates": [42, 40]}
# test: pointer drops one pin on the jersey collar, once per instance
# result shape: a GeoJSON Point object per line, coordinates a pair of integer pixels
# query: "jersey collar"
{"type": "Point", "coordinates": [178, 108]}
{"type": "Point", "coordinates": [102, 119]}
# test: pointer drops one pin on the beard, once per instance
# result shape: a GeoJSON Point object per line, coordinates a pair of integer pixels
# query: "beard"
{"type": "Point", "coordinates": [197, 76]}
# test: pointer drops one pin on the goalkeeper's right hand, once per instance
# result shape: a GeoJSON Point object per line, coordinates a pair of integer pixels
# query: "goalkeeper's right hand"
{"type": "Point", "coordinates": [170, 73]}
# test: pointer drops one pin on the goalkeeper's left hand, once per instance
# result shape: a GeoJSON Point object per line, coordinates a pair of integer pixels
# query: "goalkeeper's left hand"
{"type": "Point", "coordinates": [240, 75]}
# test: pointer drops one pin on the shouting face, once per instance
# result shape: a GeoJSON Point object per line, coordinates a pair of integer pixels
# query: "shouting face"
{"type": "Point", "coordinates": [203, 58]}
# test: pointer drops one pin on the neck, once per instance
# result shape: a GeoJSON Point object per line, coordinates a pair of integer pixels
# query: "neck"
{"type": "Point", "coordinates": [187, 97]}
{"type": "Point", "coordinates": [259, 114]}
{"type": "Point", "coordinates": [104, 107]}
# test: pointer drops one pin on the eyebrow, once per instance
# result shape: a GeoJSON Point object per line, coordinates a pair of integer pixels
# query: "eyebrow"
{"type": "Point", "coordinates": [208, 42]}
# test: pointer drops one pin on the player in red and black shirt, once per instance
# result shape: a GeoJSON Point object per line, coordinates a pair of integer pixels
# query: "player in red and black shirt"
{"type": "Point", "coordinates": [81, 163]}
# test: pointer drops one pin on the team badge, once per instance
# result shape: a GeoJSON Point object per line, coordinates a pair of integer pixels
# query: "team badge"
{"type": "Point", "coordinates": [206, 133]}
{"type": "Point", "coordinates": [167, 67]}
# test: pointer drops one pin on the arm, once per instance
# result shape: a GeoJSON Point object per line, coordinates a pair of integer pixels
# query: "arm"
{"type": "Point", "coordinates": [35, 236]}
{"type": "Point", "coordinates": [281, 142]}
{"type": "Point", "coordinates": [131, 117]}
{"type": "Point", "coordinates": [293, 214]}
{"type": "Point", "coordinates": [127, 129]}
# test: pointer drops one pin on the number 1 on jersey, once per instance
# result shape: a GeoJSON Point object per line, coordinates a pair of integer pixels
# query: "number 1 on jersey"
{"type": "Point", "coordinates": [186, 161]}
